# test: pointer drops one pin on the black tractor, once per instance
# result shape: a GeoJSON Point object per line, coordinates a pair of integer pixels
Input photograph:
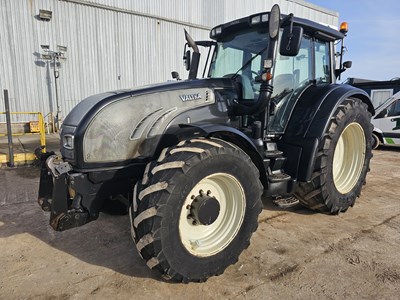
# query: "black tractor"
{"type": "Point", "coordinates": [191, 159]}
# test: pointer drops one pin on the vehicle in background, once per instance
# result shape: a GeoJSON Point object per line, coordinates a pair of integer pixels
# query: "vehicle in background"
{"type": "Point", "coordinates": [378, 90]}
{"type": "Point", "coordinates": [387, 122]}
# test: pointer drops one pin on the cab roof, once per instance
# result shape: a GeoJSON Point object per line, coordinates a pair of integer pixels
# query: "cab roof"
{"type": "Point", "coordinates": [310, 27]}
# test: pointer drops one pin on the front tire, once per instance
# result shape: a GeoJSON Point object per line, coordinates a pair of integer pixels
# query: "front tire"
{"type": "Point", "coordinates": [342, 162]}
{"type": "Point", "coordinates": [196, 209]}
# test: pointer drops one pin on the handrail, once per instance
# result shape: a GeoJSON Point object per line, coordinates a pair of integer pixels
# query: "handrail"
{"type": "Point", "coordinates": [41, 128]}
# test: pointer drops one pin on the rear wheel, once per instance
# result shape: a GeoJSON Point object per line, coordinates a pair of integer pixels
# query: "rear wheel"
{"type": "Point", "coordinates": [342, 162]}
{"type": "Point", "coordinates": [196, 209]}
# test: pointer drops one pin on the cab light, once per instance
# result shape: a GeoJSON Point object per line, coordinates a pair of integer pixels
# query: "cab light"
{"type": "Point", "coordinates": [266, 76]}
{"type": "Point", "coordinates": [215, 31]}
{"type": "Point", "coordinates": [68, 141]}
{"type": "Point", "coordinates": [264, 18]}
{"type": "Point", "coordinates": [267, 63]}
{"type": "Point", "coordinates": [256, 19]}
{"type": "Point", "coordinates": [344, 27]}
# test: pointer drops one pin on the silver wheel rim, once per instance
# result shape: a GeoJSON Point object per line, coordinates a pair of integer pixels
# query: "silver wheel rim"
{"type": "Point", "coordinates": [348, 159]}
{"type": "Point", "coordinates": [207, 240]}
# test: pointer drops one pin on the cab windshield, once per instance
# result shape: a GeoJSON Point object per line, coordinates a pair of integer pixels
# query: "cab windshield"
{"type": "Point", "coordinates": [292, 74]}
{"type": "Point", "coordinates": [235, 50]}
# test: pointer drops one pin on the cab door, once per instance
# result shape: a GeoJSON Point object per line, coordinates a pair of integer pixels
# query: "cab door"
{"type": "Point", "coordinates": [388, 121]}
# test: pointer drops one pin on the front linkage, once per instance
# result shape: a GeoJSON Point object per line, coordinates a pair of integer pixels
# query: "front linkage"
{"type": "Point", "coordinates": [68, 189]}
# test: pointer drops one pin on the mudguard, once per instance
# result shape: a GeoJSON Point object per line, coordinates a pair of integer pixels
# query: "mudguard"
{"type": "Point", "coordinates": [237, 138]}
{"type": "Point", "coordinates": [308, 123]}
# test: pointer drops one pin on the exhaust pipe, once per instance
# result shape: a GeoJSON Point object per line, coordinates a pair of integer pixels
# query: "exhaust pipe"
{"type": "Point", "coordinates": [194, 65]}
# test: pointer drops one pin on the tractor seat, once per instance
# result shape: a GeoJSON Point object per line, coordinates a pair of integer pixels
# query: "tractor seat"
{"type": "Point", "coordinates": [246, 87]}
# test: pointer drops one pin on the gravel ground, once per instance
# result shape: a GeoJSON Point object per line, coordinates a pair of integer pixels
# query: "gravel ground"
{"type": "Point", "coordinates": [295, 254]}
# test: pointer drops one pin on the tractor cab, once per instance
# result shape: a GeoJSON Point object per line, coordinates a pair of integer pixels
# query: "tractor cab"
{"type": "Point", "coordinates": [301, 55]}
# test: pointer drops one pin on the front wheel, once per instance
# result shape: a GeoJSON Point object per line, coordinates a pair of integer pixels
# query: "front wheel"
{"type": "Point", "coordinates": [196, 209]}
{"type": "Point", "coordinates": [342, 163]}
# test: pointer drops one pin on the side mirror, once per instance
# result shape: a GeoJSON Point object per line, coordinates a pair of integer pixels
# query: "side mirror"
{"type": "Point", "coordinates": [186, 60]}
{"type": "Point", "coordinates": [274, 21]}
{"type": "Point", "coordinates": [347, 64]}
{"type": "Point", "coordinates": [291, 40]}
{"type": "Point", "coordinates": [175, 75]}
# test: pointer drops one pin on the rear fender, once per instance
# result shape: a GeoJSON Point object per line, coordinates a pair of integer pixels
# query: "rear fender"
{"type": "Point", "coordinates": [309, 122]}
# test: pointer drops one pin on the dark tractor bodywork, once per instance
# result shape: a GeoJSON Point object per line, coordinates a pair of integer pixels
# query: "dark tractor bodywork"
{"type": "Point", "coordinates": [276, 114]}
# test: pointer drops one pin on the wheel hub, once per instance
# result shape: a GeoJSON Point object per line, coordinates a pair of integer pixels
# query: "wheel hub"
{"type": "Point", "coordinates": [204, 209]}
{"type": "Point", "coordinates": [209, 224]}
{"type": "Point", "coordinates": [349, 157]}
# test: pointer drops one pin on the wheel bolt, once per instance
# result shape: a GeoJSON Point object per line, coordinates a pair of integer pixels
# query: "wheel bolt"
{"type": "Point", "coordinates": [188, 206]}
{"type": "Point", "coordinates": [201, 192]}
{"type": "Point", "coordinates": [194, 222]}
{"type": "Point", "coordinates": [189, 216]}
{"type": "Point", "coordinates": [208, 193]}
{"type": "Point", "coordinates": [193, 196]}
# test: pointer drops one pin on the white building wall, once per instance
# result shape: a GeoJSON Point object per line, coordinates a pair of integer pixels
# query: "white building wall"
{"type": "Point", "coordinates": [111, 44]}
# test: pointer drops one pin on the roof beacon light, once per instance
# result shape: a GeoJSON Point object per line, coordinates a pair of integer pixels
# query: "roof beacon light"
{"type": "Point", "coordinates": [344, 27]}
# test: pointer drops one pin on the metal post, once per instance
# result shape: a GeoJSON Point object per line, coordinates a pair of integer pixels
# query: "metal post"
{"type": "Point", "coordinates": [42, 132]}
{"type": "Point", "coordinates": [9, 132]}
{"type": "Point", "coordinates": [56, 75]}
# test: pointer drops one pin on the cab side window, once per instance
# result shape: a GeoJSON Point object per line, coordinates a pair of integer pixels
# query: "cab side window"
{"type": "Point", "coordinates": [322, 62]}
{"type": "Point", "coordinates": [291, 72]}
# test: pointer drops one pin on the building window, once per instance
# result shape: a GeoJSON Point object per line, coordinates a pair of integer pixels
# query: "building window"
{"type": "Point", "coordinates": [379, 96]}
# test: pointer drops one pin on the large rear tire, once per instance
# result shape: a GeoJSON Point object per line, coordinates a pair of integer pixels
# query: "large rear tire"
{"type": "Point", "coordinates": [342, 162]}
{"type": "Point", "coordinates": [196, 209]}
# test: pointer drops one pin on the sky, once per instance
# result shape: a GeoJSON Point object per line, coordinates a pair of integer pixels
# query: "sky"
{"type": "Point", "coordinates": [373, 40]}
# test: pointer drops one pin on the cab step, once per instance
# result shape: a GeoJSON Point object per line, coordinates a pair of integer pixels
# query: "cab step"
{"type": "Point", "coordinates": [272, 150]}
{"type": "Point", "coordinates": [278, 177]}
{"type": "Point", "coordinates": [272, 153]}
{"type": "Point", "coordinates": [286, 202]}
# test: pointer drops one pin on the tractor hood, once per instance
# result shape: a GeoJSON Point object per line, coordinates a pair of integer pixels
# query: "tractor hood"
{"type": "Point", "coordinates": [116, 126]}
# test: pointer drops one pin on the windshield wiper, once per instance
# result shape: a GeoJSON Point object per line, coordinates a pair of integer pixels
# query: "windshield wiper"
{"type": "Point", "coordinates": [249, 62]}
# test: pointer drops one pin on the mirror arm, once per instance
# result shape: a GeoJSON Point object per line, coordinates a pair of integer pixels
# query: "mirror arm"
{"type": "Point", "coordinates": [288, 18]}
{"type": "Point", "coordinates": [341, 68]}
{"type": "Point", "coordinates": [338, 72]}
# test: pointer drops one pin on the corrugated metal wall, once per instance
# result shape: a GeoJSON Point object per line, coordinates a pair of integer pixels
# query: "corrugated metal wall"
{"type": "Point", "coordinates": [111, 44]}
